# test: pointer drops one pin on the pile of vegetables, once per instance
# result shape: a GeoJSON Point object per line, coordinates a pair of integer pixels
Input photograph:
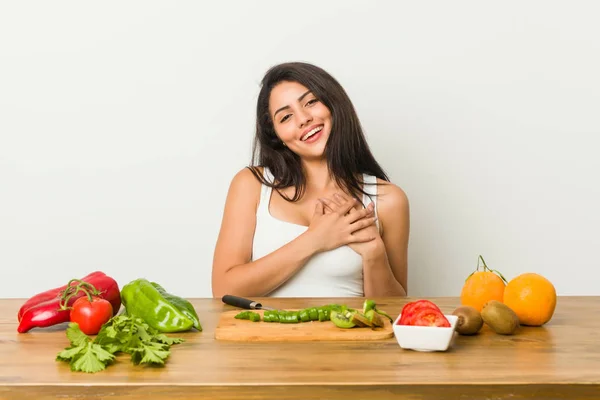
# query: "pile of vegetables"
{"type": "Point", "coordinates": [55, 306]}
{"type": "Point", "coordinates": [340, 314]}
{"type": "Point", "coordinates": [91, 305]}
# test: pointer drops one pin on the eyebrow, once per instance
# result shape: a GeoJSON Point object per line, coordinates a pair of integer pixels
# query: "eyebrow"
{"type": "Point", "coordinates": [286, 107]}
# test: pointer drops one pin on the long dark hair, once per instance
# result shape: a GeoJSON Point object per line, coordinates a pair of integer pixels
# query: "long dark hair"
{"type": "Point", "coordinates": [347, 152]}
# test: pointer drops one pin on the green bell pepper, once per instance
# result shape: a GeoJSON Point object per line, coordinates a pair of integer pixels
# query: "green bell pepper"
{"type": "Point", "coordinates": [144, 300]}
{"type": "Point", "coordinates": [182, 304]}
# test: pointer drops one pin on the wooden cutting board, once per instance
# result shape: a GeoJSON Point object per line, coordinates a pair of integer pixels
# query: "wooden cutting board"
{"type": "Point", "coordinates": [241, 330]}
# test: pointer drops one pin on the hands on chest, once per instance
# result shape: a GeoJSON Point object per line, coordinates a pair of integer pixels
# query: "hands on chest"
{"type": "Point", "coordinates": [359, 222]}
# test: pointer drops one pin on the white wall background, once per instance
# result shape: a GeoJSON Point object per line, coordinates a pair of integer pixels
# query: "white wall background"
{"type": "Point", "coordinates": [122, 124]}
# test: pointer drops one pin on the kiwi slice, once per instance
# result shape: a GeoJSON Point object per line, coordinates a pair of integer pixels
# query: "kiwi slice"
{"type": "Point", "coordinates": [360, 320]}
{"type": "Point", "coordinates": [374, 317]}
{"type": "Point", "coordinates": [342, 319]}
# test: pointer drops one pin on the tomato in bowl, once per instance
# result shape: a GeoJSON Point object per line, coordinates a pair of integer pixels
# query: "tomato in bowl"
{"type": "Point", "coordinates": [422, 326]}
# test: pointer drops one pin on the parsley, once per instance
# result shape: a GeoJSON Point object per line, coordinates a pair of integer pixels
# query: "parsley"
{"type": "Point", "coordinates": [121, 334]}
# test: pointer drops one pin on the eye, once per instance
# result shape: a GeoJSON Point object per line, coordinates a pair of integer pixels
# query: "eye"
{"type": "Point", "coordinates": [285, 118]}
{"type": "Point", "coordinates": [311, 102]}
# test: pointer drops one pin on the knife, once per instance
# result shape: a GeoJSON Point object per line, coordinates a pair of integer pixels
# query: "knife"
{"type": "Point", "coordinates": [244, 303]}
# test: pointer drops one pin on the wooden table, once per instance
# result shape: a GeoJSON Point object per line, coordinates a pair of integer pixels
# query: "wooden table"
{"type": "Point", "coordinates": [558, 361]}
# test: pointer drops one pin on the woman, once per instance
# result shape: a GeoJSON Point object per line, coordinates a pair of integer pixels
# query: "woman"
{"type": "Point", "coordinates": [316, 216]}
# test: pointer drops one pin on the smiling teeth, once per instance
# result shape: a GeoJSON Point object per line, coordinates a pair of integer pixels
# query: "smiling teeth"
{"type": "Point", "coordinates": [312, 132]}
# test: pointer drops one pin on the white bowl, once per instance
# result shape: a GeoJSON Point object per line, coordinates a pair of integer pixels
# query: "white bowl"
{"type": "Point", "coordinates": [425, 338]}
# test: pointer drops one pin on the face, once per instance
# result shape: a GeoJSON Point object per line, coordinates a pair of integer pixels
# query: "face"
{"type": "Point", "coordinates": [301, 121]}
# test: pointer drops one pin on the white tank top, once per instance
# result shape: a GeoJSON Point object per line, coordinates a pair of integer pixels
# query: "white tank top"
{"type": "Point", "coordinates": [334, 273]}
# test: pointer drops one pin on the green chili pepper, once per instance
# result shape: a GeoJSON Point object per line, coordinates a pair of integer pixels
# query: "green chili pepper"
{"type": "Point", "coordinates": [370, 305]}
{"type": "Point", "coordinates": [143, 300]}
{"type": "Point", "coordinates": [384, 314]}
{"type": "Point", "coordinates": [267, 316]}
{"type": "Point", "coordinates": [322, 315]}
{"type": "Point", "coordinates": [274, 316]}
{"type": "Point", "coordinates": [304, 315]}
{"type": "Point", "coordinates": [182, 304]}
{"type": "Point", "coordinates": [254, 317]}
{"type": "Point", "coordinates": [289, 317]}
{"type": "Point", "coordinates": [243, 315]}
{"type": "Point", "coordinates": [250, 315]}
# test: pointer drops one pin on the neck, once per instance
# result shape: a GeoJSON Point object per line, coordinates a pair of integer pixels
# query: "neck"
{"type": "Point", "coordinates": [317, 175]}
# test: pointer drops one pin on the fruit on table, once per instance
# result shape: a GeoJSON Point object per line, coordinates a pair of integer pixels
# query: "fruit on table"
{"type": "Point", "coordinates": [423, 313]}
{"type": "Point", "coordinates": [410, 308]}
{"type": "Point", "coordinates": [469, 320]}
{"type": "Point", "coordinates": [532, 297]}
{"type": "Point", "coordinates": [147, 301]}
{"type": "Point", "coordinates": [342, 319]}
{"type": "Point", "coordinates": [54, 306]}
{"type": "Point", "coordinates": [482, 286]}
{"type": "Point", "coordinates": [501, 318]}
{"type": "Point", "coordinates": [90, 313]}
{"type": "Point", "coordinates": [374, 318]}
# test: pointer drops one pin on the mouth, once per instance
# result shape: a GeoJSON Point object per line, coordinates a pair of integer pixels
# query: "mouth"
{"type": "Point", "coordinates": [312, 135]}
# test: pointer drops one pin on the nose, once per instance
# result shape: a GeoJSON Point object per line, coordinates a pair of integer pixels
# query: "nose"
{"type": "Point", "coordinates": [304, 118]}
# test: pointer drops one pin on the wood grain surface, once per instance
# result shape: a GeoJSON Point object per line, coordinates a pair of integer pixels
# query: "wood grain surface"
{"type": "Point", "coordinates": [229, 328]}
{"type": "Point", "coordinates": [560, 360]}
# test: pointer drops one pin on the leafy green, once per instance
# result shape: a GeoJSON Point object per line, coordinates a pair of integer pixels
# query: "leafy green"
{"type": "Point", "coordinates": [121, 333]}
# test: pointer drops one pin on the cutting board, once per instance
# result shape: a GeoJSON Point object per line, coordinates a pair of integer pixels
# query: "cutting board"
{"type": "Point", "coordinates": [240, 330]}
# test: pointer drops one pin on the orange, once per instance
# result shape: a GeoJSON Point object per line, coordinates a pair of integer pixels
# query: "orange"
{"type": "Point", "coordinates": [482, 286]}
{"type": "Point", "coordinates": [532, 297]}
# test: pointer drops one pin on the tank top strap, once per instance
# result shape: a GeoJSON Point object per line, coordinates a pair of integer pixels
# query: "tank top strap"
{"type": "Point", "coordinates": [265, 191]}
{"type": "Point", "coordinates": [370, 187]}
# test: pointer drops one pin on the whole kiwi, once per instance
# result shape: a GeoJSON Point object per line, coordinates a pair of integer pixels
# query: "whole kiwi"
{"type": "Point", "coordinates": [501, 318]}
{"type": "Point", "coordinates": [469, 320]}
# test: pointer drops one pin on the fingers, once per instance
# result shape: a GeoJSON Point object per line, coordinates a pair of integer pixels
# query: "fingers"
{"type": "Point", "coordinates": [338, 204]}
{"type": "Point", "coordinates": [328, 204]}
{"type": "Point", "coordinates": [346, 205]}
{"type": "Point", "coordinates": [355, 215]}
{"type": "Point", "coordinates": [319, 208]}
{"type": "Point", "coordinates": [362, 223]}
{"type": "Point", "coordinates": [361, 236]}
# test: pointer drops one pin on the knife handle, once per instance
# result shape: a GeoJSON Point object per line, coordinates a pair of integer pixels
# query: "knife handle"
{"type": "Point", "coordinates": [241, 302]}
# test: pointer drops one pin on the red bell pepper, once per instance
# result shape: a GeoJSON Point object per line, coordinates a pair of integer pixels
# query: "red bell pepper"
{"type": "Point", "coordinates": [49, 295]}
{"type": "Point", "coordinates": [53, 306]}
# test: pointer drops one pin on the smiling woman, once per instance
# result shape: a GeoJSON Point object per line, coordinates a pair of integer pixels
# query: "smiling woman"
{"type": "Point", "coordinates": [314, 215]}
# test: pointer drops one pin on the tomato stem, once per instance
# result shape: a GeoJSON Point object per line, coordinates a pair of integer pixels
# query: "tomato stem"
{"type": "Point", "coordinates": [71, 291]}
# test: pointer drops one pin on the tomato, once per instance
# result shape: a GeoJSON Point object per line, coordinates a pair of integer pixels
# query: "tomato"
{"type": "Point", "coordinates": [90, 316]}
{"type": "Point", "coordinates": [429, 317]}
{"type": "Point", "coordinates": [409, 310]}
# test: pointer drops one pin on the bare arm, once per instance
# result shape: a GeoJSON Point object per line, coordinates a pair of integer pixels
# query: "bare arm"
{"type": "Point", "coordinates": [235, 273]}
{"type": "Point", "coordinates": [386, 267]}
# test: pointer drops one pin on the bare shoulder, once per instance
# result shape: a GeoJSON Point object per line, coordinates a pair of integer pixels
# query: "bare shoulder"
{"type": "Point", "coordinates": [390, 197]}
{"type": "Point", "coordinates": [392, 207]}
{"type": "Point", "coordinates": [246, 179]}
{"type": "Point", "coordinates": [246, 184]}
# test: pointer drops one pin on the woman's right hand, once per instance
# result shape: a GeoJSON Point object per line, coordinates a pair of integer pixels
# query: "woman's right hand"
{"type": "Point", "coordinates": [339, 227]}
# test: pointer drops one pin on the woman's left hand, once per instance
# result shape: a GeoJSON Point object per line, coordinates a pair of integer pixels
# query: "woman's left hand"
{"type": "Point", "coordinates": [367, 250]}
